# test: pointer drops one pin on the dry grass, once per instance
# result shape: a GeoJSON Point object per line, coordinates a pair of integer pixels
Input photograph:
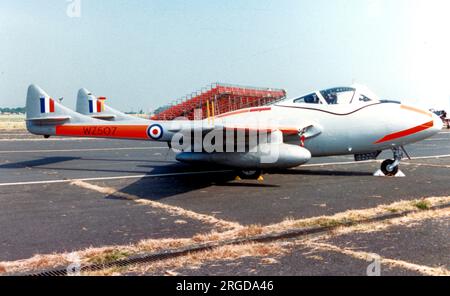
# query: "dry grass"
{"type": "Point", "coordinates": [422, 205]}
{"type": "Point", "coordinates": [115, 271]}
{"type": "Point", "coordinates": [408, 220]}
{"type": "Point", "coordinates": [12, 122]}
{"type": "Point", "coordinates": [12, 118]}
{"type": "Point", "coordinates": [249, 231]}
{"type": "Point", "coordinates": [40, 262]}
{"type": "Point", "coordinates": [269, 252]}
{"type": "Point", "coordinates": [352, 217]}
{"type": "Point", "coordinates": [109, 256]}
{"type": "Point", "coordinates": [226, 253]}
{"type": "Point", "coordinates": [146, 246]}
{"type": "Point", "coordinates": [9, 126]}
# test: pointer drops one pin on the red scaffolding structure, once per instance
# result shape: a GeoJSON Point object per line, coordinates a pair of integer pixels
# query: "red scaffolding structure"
{"type": "Point", "coordinates": [217, 99]}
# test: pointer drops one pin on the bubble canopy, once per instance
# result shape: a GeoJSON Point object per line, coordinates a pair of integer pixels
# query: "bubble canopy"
{"type": "Point", "coordinates": [339, 96]}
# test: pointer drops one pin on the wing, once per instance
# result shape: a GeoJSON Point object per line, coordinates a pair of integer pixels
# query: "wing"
{"type": "Point", "coordinates": [305, 131]}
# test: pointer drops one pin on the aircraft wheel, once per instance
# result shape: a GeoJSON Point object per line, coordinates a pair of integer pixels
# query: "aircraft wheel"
{"type": "Point", "coordinates": [250, 175]}
{"type": "Point", "coordinates": [385, 168]}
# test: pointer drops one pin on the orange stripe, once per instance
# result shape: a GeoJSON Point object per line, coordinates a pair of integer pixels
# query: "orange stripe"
{"type": "Point", "coordinates": [245, 111]}
{"type": "Point", "coordinates": [260, 109]}
{"type": "Point", "coordinates": [416, 110]}
{"type": "Point", "coordinates": [232, 113]}
{"type": "Point", "coordinates": [286, 131]}
{"type": "Point", "coordinates": [406, 133]}
{"type": "Point", "coordinates": [104, 131]}
{"type": "Point", "coordinates": [290, 131]}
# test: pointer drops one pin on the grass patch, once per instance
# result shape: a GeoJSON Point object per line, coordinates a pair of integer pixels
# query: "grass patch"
{"type": "Point", "coordinates": [12, 122]}
{"type": "Point", "coordinates": [329, 222]}
{"type": "Point", "coordinates": [250, 231]}
{"type": "Point", "coordinates": [12, 118]}
{"type": "Point", "coordinates": [109, 256]}
{"type": "Point", "coordinates": [422, 205]}
{"type": "Point", "coordinates": [393, 210]}
{"type": "Point", "coordinates": [326, 222]}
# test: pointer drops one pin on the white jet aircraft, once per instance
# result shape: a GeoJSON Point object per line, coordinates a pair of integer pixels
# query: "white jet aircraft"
{"type": "Point", "coordinates": [286, 134]}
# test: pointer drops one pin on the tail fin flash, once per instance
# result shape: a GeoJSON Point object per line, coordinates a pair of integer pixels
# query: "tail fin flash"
{"type": "Point", "coordinates": [95, 107]}
{"type": "Point", "coordinates": [44, 113]}
{"type": "Point", "coordinates": [90, 105]}
{"type": "Point", "coordinates": [41, 107]}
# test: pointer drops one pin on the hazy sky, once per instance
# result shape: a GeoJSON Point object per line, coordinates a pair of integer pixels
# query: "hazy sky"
{"type": "Point", "coordinates": [146, 53]}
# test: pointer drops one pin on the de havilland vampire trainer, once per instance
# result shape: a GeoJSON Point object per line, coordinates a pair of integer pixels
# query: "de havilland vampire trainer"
{"type": "Point", "coordinates": [285, 134]}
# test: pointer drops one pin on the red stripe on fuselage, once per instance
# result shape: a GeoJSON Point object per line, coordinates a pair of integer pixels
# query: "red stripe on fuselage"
{"type": "Point", "coordinates": [104, 131]}
{"type": "Point", "coordinates": [406, 133]}
{"type": "Point", "coordinates": [245, 111]}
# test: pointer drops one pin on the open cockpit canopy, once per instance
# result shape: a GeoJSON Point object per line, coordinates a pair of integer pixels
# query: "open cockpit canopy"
{"type": "Point", "coordinates": [339, 96]}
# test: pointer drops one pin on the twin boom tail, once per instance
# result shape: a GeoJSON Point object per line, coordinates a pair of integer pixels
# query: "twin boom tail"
{"type": "Point", "coordinates": [48, 117]}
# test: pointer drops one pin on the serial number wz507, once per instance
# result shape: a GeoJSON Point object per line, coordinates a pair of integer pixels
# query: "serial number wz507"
{"type": "Point", "coordinates": [100, 131]}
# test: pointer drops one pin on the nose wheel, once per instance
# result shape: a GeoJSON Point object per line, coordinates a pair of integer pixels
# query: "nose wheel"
{"type": "Point", "coordinates": [390, 167]}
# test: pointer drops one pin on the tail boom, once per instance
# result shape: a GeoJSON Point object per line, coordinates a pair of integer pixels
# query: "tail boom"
{"type": "Point", "coordinates": [114, 131]}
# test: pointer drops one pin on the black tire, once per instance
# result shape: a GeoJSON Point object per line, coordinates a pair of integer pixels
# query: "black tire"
{"type": "Point", "coordinates": [249, 174]}
{"type": "Point", "coordinates": [385, 165]}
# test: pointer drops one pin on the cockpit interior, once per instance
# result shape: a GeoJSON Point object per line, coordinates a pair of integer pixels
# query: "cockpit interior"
{"type": "Point", "coordinates": [338, 96]}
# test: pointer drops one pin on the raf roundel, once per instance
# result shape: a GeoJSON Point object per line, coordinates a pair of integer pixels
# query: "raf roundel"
{"type": "Point", "coordinates": [155, 132]}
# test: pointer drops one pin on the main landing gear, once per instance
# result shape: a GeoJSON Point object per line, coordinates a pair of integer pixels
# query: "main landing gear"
{"type": "Point", "coordinates": [390, 167]}
{"type": "Point", "coordinates": [250, 175]}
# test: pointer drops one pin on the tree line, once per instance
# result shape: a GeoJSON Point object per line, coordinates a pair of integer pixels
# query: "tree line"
{"type": "Point", "coordinates": [13, 110]}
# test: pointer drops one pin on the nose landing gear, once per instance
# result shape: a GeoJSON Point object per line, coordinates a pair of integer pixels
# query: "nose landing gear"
{"type": "Point", "coordinates": [390, 167]}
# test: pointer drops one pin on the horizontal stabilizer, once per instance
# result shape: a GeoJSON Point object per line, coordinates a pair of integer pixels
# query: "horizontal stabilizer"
{"type": "Point", "coordinates": [104, 117]}
{"type": "Point", "coordinates": [50, 119]}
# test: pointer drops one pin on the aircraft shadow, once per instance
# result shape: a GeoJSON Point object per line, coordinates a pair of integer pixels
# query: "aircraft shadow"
{"type": "Point", "coordinates": [159, 188]}
{"type": "Point", "coordinates": [154, 188]}
{"type": "Point", "coordinates": [130, 160]}
{"type": "Point", "coordinates": [37, 162]}
{"type": "Point", "coordinates": [321, 173]}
